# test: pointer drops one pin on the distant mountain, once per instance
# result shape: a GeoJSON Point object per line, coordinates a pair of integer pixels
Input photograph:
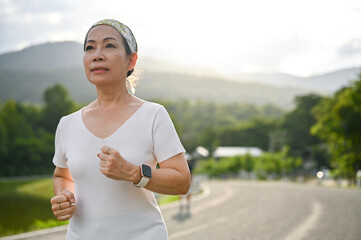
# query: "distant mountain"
{"type": "Point", "coordinates": [323, 83]}
{"type": "Point", "coordinates": [24, 75]}
{"type": "Point", "coordinates": [334, 80]}
{"type": "Point", "coordinates": [44, 57]}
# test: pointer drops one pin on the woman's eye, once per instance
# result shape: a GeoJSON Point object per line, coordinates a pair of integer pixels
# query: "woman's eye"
{"type": "Point", "coordinates": [109, 45]}
{"type": "Point", "coordinates": [88, 48]}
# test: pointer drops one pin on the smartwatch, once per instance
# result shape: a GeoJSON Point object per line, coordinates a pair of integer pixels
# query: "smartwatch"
{"type": "Point", "coordinates": [146, 173]}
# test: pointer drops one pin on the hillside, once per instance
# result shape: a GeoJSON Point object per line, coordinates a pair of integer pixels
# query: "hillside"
{"type": "Point", "coordinates": [322, 83]}
{"type": "Point", "coordinates": [44, 57]}
{"type": "Point", "coordinates": [24, 75]}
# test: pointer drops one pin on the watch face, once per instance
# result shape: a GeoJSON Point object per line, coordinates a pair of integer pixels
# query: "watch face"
{"type": "Point", "coordinates": [147, 171]}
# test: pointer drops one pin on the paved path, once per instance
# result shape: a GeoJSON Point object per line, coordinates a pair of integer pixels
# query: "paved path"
{"type": "Point", "coordinates": [260, 210]}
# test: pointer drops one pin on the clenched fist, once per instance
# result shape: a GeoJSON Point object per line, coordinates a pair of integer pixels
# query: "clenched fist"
{"type": "Point", "coordinates": [63, 205]}
{"type": "Point", "coordinates": [114, 166]}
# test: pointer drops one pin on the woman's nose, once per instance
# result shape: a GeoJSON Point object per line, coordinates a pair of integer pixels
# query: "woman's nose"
{"type": "Point", "coordinates": [98, 55]}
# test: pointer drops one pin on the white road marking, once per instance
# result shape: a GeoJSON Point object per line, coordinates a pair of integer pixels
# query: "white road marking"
{"type": "Point", "coordinates": [196, 228]}
{"type": "Point", "coordinates": [300, 231]}
{"type": "Point", "coordinates": [229, 193]}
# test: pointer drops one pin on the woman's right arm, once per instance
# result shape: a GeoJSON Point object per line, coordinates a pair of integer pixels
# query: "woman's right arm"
{"type": "Point", "coordinates": [63, 202]}
{"type": "Point", "coordinates": [62, 180]}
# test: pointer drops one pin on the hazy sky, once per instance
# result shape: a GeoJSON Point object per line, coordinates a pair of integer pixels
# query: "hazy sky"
{"type": "Point", "coordinates": [300, 37]}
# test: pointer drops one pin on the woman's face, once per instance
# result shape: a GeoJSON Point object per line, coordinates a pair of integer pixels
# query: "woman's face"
{"type": "Point", "coordinates": [105, 58]}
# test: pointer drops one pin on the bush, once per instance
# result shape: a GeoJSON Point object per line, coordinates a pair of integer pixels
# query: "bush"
{"type": "Point", "coordinates": [269, 164]}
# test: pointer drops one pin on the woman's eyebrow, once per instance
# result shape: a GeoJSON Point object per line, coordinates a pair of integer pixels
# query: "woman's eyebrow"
{"type": "Point", "coordinates": [105, 39]}
{"type": "Point", "coordinates": [109, 38]}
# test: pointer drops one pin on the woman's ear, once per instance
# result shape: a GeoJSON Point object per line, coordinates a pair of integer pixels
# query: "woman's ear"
{"type": "Point", "coordinates": [132, 61]}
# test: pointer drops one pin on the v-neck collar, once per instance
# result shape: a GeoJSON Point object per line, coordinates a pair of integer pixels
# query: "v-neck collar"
{"type": "Point", "coordinates": [117, 130]}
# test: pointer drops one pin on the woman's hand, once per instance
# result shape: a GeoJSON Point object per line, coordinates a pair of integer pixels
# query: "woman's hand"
{"type": "Point", "coordinates": [63, 205]}
{"type": "Point", "coordinates": [114, 166]}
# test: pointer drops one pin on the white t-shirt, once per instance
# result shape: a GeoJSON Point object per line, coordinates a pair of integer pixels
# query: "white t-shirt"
{"type": "Point", "coordinates": [107, 208]}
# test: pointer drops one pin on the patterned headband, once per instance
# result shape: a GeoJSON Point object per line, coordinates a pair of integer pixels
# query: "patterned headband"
{"type": "Point", "coordinates": [123, 29]}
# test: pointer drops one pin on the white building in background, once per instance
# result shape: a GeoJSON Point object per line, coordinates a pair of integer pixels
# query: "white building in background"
{"type": "Point", "coordinates": [200, 152]}
{"type": "Point", "coordinates": [236, 151]}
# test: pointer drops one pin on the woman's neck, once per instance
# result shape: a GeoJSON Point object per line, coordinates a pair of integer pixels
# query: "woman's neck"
{"type": "Point", "coordinates": [112, 96]}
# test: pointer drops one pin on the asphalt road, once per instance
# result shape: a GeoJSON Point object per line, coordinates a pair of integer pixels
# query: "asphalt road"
{"type": "Point", "coordinates": [263, 210]}
{"type": "Point", "coordinates": [243, 210]}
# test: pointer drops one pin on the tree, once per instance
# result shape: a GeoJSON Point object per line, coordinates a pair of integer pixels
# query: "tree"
{"type": "Point", "coordinates": [339, 123]}
{"type": "Point", "coordinates": [209, 138]}
{"type": "Point", "coordinates": [12, 127]}
{"type": "Point", "coordinates": [57, 104]}
{"type": "Point", "coordinates": [298, 123]}
{"type": "Point", "coordinates": [248, 163]}
{"type": "Point", "coordinates": [253, 133]}
{"type": "Point", "coordinates": [202, 122]}
{"type": "Point", "coordinates": [34, 155]}
{"type": "Point", "coordinates": [31, 113]}
{"type": "Point", "coordinates": [27, 133]}
{"type": "Point", "coordinates": [14, 122]}
{"type": "Point", "coordinates": [3, 141]}
{"type": "Point", "coordinates": [289, 164]}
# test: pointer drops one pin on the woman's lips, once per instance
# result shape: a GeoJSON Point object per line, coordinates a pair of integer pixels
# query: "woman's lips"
{"type": "Point", "coordinates": [99, 70]}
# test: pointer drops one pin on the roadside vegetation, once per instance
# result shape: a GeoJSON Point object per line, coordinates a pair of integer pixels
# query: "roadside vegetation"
{"type": "Point", "coordinates": [267, 166]}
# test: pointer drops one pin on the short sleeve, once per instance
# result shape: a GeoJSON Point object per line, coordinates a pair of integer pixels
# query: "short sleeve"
{"type": "Point", "coordinates": [165, 138]}
{"type": "Point", "coordinates": [59, 158]}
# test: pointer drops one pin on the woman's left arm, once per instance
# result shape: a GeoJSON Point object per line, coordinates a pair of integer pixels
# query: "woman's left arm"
{"type": "Point", "coordinates": [172, 178]}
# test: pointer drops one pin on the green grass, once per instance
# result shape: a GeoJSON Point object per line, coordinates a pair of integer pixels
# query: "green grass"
{"type": "Point", "coordinates": [25, 206]}
{"type": "Point", "coordinates": [163, 199]}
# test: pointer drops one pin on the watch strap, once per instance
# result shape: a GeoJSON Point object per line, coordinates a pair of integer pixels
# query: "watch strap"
{"type": "Point", "coordinates": [143, 182]}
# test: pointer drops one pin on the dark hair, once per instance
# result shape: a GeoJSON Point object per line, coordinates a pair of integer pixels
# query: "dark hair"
{"type": "Point", "coordinates": [127, 50]}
